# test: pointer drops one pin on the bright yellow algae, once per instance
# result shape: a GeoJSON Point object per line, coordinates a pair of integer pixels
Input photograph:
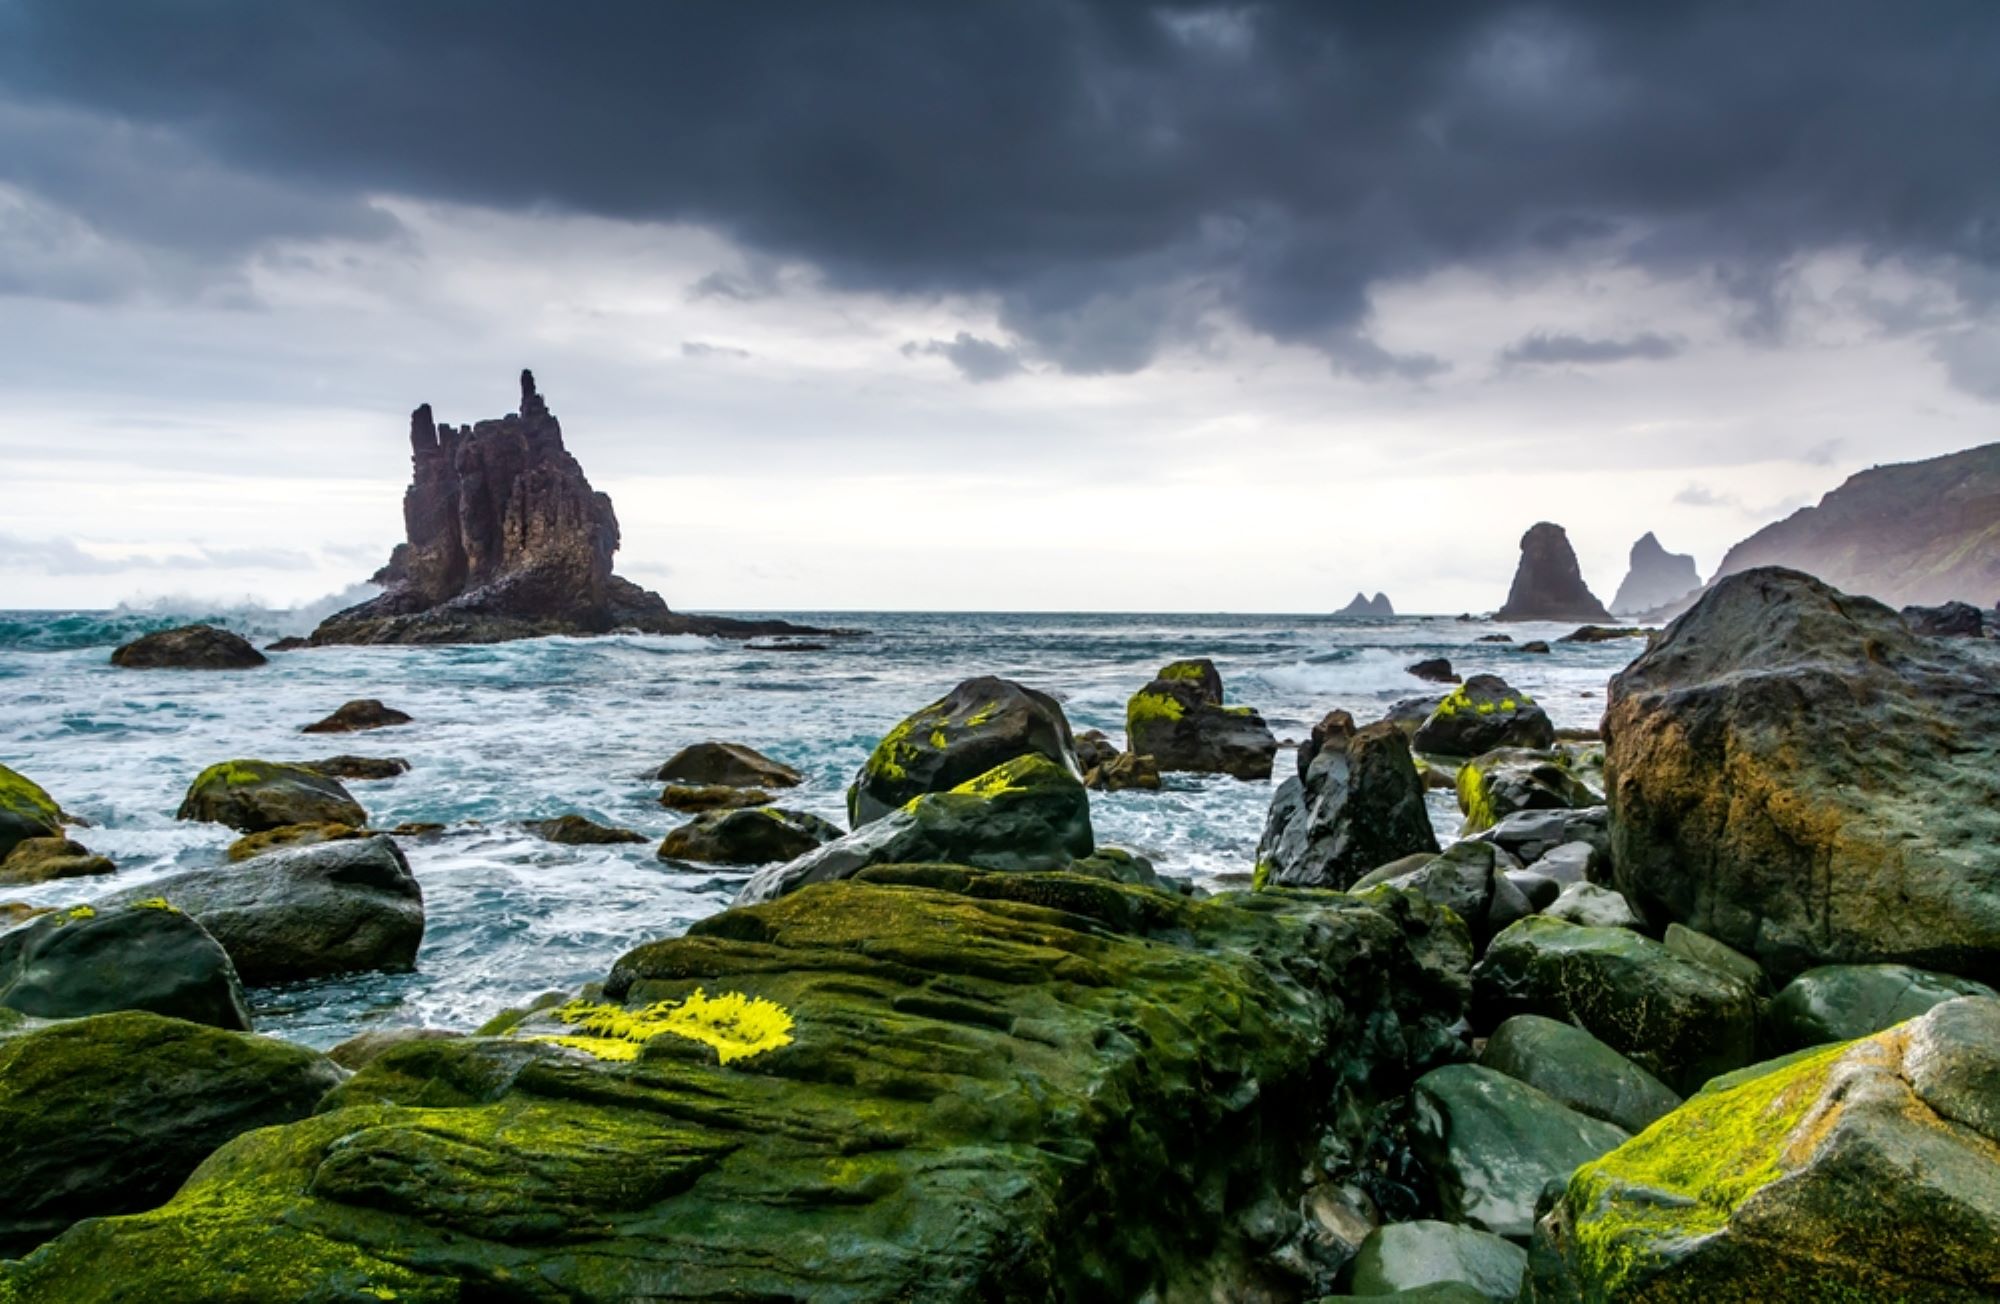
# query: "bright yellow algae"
{"type": "Point", "coordinates": [735, 1025]}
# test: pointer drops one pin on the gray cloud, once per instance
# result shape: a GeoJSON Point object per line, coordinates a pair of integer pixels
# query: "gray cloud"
{"type": "Point", "coordinates": [1546, 349]}
{"type": "Point", "coordinates": [1698, 495]}
{"type": "Point", "coordinates": [977, 360]}
{"type": "Point", "coordinates": [703, 349]}
{"type": "Point", "coordinates": [63, 557]}
{"type": "Point", "coordinates": [1081, 163]}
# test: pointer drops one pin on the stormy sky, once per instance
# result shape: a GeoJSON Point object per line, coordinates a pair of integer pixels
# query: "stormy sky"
{"type": "Point", "coordinates": [1038, 304]}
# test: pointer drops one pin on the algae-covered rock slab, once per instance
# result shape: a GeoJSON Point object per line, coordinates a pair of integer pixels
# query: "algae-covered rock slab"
{"type": "Point", "coordinates": [930, 1083]}
{"type": "Point", "coordinates": [1863, 1171]}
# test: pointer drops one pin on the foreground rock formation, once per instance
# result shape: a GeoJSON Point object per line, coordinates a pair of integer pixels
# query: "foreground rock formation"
{"type": "Point", "coordinates": [1356, 803]}
{"type": "Point", "coordinates": [1548, 584]}
{"type": "Point", "coordinates": [1179, 720]}
{"type": "Point", "coordinates": [1796, 773]}
{"type": "Point", "coordinates": [979, 725]}
{"type": "Point", "coordinates": [932, 1084]}
{"type": "Point", "coordinates": [506, 539]}
{"type": "Point", "coordinates": [1657, 578]}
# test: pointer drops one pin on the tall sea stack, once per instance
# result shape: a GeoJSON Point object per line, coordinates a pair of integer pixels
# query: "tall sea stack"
{"type": "Point", "coordinates": [1656, 578]}
{"type": "Point", "coordinates": [1549, 584]}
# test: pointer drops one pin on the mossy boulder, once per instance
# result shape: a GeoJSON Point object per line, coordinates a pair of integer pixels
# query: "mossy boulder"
{"type": "Point", "coordinates": [1492, 1142]}
{"type": "Point", "coordinates": [42, 860]}
{"type": "Point", "coordinates": [361, 714]}
{"type": "Point", "coordinates": [1404, 1257]}
{"type": "Point", "coordinates": [764, 835]}
{"type": "Point", "coordinates": [960, 1087]}
{"type": "Point", "coordinates": [253, 796]}
{"type": "Point", "coordinates": [727, 765]}
{"type": "Point", "coordinates": [1575, 1068]}
{"type": "Point", "coordinates": [578, 831]}
{"type": "Point", "coordinates": [339, 907]}
{"type": "Point", "coordinates": [25, 811]}
{"type": "Point", "coordinates": [1028, 815]}
{"type": "Point", "coordinates": [1862, 1171]}
{"type": "Point", "coordinates": [1506, 782]}
{"type": "Point", "coordinates": [109, 1114]}
{"type": "Point", "coordinates": [190, 647]}
{"type": "Point", "coordinates": [86, 960]}
{"type": "Point", "coordinates": [287, 836]}
{"type": "Point", "coordinates": [1795, 773]}
{"type": "Point", "coordinates": [979, 725]}
{"type": "Point", "coordinates": [1681, 1021]}
{"type": "Point", "coordinates": [1180, 721]}
{"type": "Point", "coordinates": [1843, 1002]}
{"type": "Point", "coordinates": [1705, 950]}
{"type": "Point", "coordinates": [695, 798]}
{"type": "Point", "coordinates": [1359, 805]}
{"type": "Point", "coordinates": [1484, 714]}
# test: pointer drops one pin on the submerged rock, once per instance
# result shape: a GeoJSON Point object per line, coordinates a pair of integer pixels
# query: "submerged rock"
{"type": "Point", "coordinates": [255, 796]}
{"type": "Point", "coordinates": [1124, 772]}
{"type": "Point", "coordinates": [696, 797]}
{"type": "Point", "coordinates": [1795, 773]}
{"type": "Point", "coordinates": [191, 647]}
{"type": "Point", "coordinates": [1864, 1171]}
{"type": "Point", "coordinates": [145, 956]}
{"type": "Point", "coordinates": [1179, 720]}
{"type": "Point", "coordinates": [1359, 805]}
{"type": "Point", "coordinates": [576, 831]}
{"type": "Point", "coordinates": [287, 836]}
{"type": "Point", "coordinates": [1025, 816]}
{"type": "Point", "coordinates": [1577, 1069]}
{"type": "Point", "coordinates": [1657, 578]}
{"type": "Point", "coordinates": [1549, 585]}
{"type": "Point", "coordinates": [1434, 670]}
{"type": "Point", "coordinates": [727, 765]}
{"type": "Point", "coordinates": [367, 768]}
{"type": "Point", "coordinates": [42, 860]}
{"type": "Point", "coordinates": [360, 714]}
{"type": "Point", "coordinates": [1842, 1002]}
{"type": "Point", "coordinates": [25, 811]}
{"type": "Point", "coordinates": [109, 1114]}
{"type": "Point", "coordinates": [1484, 714]}
{"type": "Point", "coordinates": [339, 907]}
{"type": "Point", "coordinates": [761, 836]}
{"type": "Point", "coordinates": [949, 1089]}
{"type": "Point", "coordinates": [979, 725]}
{"type": "Point", "coordinates": [1094, 748]}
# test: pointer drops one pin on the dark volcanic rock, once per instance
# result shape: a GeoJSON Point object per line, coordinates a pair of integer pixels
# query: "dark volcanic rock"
{"type": "Point", "coordinates": [1094, 748]}
{"type": "Point", "coordinates": [981, 724]}
{"type": "Point", "coordinates": [728, 765]}
{"type": "Point", "coordinates": [191, 647]}
{"type": "Point", "coordinates": [506, 539]}
{"type": "Point", "coordinates": [1122, 773]}
{"type": "Point", "coordinates": [1433, 670]}
{"type": "Point", "coordinates": [1513, 780]}
{"type": "Point", "coordinates": [109, 1114]}
{"type": "Point", "coordinates": [287, 836]}
{"type": "Point", "coordinates": [1367, 608]}
{"type": "Point", "coordinates": [1657, 577]}
{"type": "Point", "coordinates": [252, 796]}
{"type": "Point", "coordinates": [1483, 714]}
{"type": "Point", "coordinates": [1549, 584]}
{"type": "Point", "coordinates": [763, 835]}
{"type": "Point", "coordinates": [1842, 1002]}
{"type": "Point", "coordinates": [362, 713]}
{"type": "Point", "coordinates": [697, 797]}
{"type": "Point", "coordinates": [1603, 634]}
{"type": "Point", "coordinates": [1952, 620]}
{"type": "Point", "coordinates": [147, 956]}
{"type": "Point", "coordinates": [338, 907]}
{"type": "Point", "coordinates": [1579, 1070]}
{"type": "Point", "coordinates": [1359, 805]}
{"type": "Point", "coordinates": [576, 831]}
{"type": "Point", "coordinates": [1179, 720]}
{"type": "Point", "coordinates": [40, 860]}
{"type": "Point", "coordinates": [366, 768]}
{"type": "Point", "coordinates": [1795, 773]}
{"type": "Point", "coordinates": [25, 811]}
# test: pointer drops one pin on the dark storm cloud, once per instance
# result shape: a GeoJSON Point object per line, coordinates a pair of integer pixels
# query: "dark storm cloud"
{"type": "Point", "coordinates": [976, 359]}
{"type": "Point", "coordinates": [1546, 349]}
{"type": "Point", "coordinates": [1097, 168]}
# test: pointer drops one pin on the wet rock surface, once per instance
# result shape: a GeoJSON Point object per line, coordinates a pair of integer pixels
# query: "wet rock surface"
{"type": "Point", "coordinates": [1180, 721]}
{"type": "Point", "coordinates": [191, 647]}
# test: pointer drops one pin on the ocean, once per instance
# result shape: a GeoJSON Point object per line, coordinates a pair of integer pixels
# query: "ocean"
{"type": "Point", "coordinates": [528, 730]}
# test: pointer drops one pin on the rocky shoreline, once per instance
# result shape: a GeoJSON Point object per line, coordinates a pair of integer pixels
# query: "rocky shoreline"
{"type": "Point", "coordinates": [1699, 1008]}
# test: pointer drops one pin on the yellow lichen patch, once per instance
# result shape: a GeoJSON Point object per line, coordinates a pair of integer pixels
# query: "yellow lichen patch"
{"type": "Point", "coordinates": [939, 739]}
{"type": "Point", "coordinates": [153, 903]}
{"type": "Point", "coordinates": [1010, 777]}
{"type": "Point", "coordinates": [735, 1025]}
{"type": "Point", "coordinates": [982, 715]}
{"type": "Point", "coordinates": [82, 912]}
{"type": "Point", "coordinates": [1152, 706]}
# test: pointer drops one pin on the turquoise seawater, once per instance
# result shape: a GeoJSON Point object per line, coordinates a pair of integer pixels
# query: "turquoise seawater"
{"type": "Point", "coordinates": [528, 730]}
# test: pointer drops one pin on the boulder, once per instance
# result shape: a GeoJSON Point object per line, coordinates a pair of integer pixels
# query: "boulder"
{"type": "Point", "coordinates": [1548, 584]}
{"type": "Point", "coordinates": [191, 647]}
{"type": "Point", "coordinates": [1603, 634]}
{"type": "Point", "coordinates": [727, 765]}
{"type": "Point", "coordinates": [1028, 815]}
{"type": "Point", "coordinates": [1706, 951]}
{"type": "Point", "coordinates": [697, 797]}
{"type": "Point", "coordinates": [1462, 879]}
{"type": "Point", "coordinates": [1433, 670]}
{"type": "Point", "coordinates": [1124, 772]}
{"type": "Point", "coordinates": [1410, 713]}
{"type": "Point", "coordinates": [1592, 907]}
{"type": "Point", "coordinates": [353, 717]}
{"type": "Point", "coordinates": [1532, 834]}
{"type": "Point", "coordinates": [253, 796]}
{"type": "Point", "coordinates": [1571, 863]}
{"type": "Point", "coordinates": [1506, 782]}
{"type": "Point", "coordinates": [1657, 578]}
{"type": "Point", "coordinates": [359, 767]}
{"type": "Point", "coordinates": [1481, 715]}
{"type": "Point", "coordinates": [1863, 1171]}
{"type": "Point", "coordinates": [1179, 720]}
{"type": "Point", "coordinates": [109, 1114]}
{"type": "Point", "coordinates": [1537, 647]}
{"type": "Point", "coordinates": [1678, 1020]}
{"type": "Point", "coordinates": [979, 725]}
{"type": "Point", "coordinates": [1491, 1143]}
{"type": "Point", "coordinates": [25, 811]}
{"type": "Point", "coordinates": [1360, 805]}
{"type": "Point", "coordinates": [951, 1087]}
{"type": "Point", "coordinates": [1576, 1069]}
{"type": "Point", "coordinates": [339, 907]}
{"type": "Point", "coordinates": [1540, 890]}
{"type": "Point", "coordinates": [41, 860]}
{"type": "Point", "coordinates": [364, 1048]}
{"type": "Point", "coordinates": [1795, 773]}
{"type": "Point", "coordinates": [146, 956]}
{"type": "Point", "coordinates": [286, 836]}
{"type": "Point", "coordinates": [577, 831]}
{"type": "Point", "coordinates": [1094, 748]}
{"type": "Point", "coordinates": [1845, 1002]}
{"type": "Point", "coordinates": [1404, 1257]}
{"type": "Point", "coordinates": [1952, 620]}
{"type": "Point", "coordinates": [764, 835]}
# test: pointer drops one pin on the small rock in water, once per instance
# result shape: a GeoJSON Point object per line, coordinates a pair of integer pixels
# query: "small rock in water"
{"type": "Point", "coordinates": [1179, 720]}
{"type": "Point", "coordinates": [366, 768]}
{"type": "Point", "coordinates": [286, 836]}
{"type": "Point", "coordinates": [978, 726]}
{"type": "Point", "coordinates": [40, 860]}
{"type": "Point", "coordinates": [1484, 713]}
{"type": "Point", "coordinates": [191, 647]}
{"type": "Point", "coordinates": [25, 811]}
{"type": "Point", "coordinates": [362, 713]}
{"type": "Point", "coordinates": [1093, 749]}
{"type": "Point", "coordinates": [1124, 772]}
{"type": "Point", "coordinates": [728, 765]}
{"type": "Point", "coordinates": [576, 831]}
{"type": "Point", "coordinates": [712, 796]}
{"type": "Point", "coordinates": [760, 836]}
{"type": "Point", "coordinates": [1435, 670]}
{"type": "Point", "coordinates": [252, 796]}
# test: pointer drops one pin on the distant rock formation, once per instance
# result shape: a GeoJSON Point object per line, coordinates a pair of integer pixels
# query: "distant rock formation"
{"type": "Point", "coordinates": [1657, 577]}
{"type": "Point", "coordinates": [1549, 584]}
{"type": "Point", "coordinates": [1367, 608]}
{"type": "Point", "coordinates": [1914, 534]}
{"type": "Point", "coordinates": [507, 540]}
